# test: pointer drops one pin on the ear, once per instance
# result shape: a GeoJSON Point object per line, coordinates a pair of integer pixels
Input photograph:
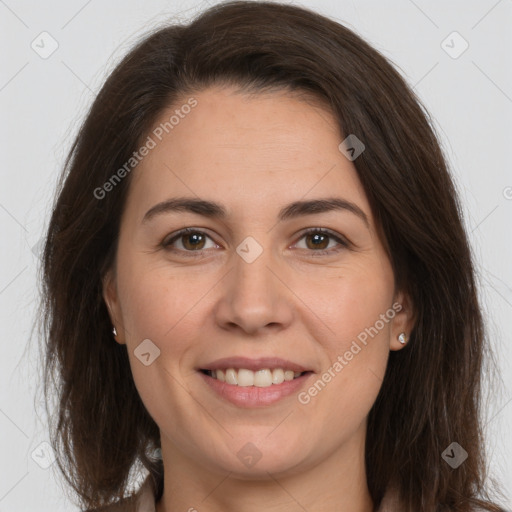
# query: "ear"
{"type": "Point", "coordinates": [111, 298]}
{"type": "Point", "coordinates": [403, 322]}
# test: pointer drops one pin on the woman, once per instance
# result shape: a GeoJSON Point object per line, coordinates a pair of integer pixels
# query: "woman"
{"type": "Point", "coordinates": [259, 292]}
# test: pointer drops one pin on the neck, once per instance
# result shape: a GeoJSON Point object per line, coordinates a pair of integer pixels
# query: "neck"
{"type": "Point", "coordinates": [336, 484]}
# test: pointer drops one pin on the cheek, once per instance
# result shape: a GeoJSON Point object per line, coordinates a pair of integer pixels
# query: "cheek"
{"type": "Point", "coordinates": [359, 314]}
{"type": "Point", "coordinates": [158, 308]}
{"type": "Point", "coordinates": [167, 309]}
{"type": "Point", "coordinates": [157, 305]}
{"type": "Point", "coordinates": [356, 303]}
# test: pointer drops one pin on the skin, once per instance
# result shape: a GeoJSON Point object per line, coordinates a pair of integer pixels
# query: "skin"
{"type": "Point", "coordinates": [254, 154]}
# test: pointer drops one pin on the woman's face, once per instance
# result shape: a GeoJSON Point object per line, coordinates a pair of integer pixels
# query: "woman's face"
{"type": "Point", "coordinates": [250, 289]}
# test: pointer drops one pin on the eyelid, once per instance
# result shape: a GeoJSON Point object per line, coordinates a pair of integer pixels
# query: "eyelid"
{"type": "Point", "coordinates": [168, 240]}
{"type": "Point", "coordinates": [342, 241]}
{"type": "Point", "coordinates": [333, 234]}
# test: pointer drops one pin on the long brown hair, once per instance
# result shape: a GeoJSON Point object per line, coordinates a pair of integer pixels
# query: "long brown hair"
{"type": "Point", "coordinates": [431, 393]}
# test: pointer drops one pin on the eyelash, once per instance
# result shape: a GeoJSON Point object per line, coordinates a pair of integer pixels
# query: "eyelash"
{"type": "Point", "coordinates": [166, 244]}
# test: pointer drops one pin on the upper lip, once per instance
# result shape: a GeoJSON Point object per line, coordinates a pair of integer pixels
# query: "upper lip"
{"type": "Point", "coordinates": [254, 364]}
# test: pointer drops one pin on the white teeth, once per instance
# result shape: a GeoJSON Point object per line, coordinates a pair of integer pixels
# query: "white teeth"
{"type": "Point", "coordinates": [277, 376]}
{"type": "Point", "coordinates": [245, 377]}
{"type": "Point", "coordinates": [231, 376]}
{"type": "Point", "coordinates": [262, 378]}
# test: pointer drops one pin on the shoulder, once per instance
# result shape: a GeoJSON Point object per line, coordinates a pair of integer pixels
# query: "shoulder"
{"type": "Point", "coordinates": [142, 501]}
{"type": "Point", "coordinates": [391, 503]}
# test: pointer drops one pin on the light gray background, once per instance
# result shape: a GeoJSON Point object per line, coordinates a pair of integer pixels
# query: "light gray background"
{"type": "Point", "coordinates": [43, 101]}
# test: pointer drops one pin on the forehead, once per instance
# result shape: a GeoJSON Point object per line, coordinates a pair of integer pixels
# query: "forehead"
{"type": "Point", "coordinates": [255, 150]}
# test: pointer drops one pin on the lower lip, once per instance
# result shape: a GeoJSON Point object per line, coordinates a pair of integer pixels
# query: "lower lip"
{"type": "Point", "coordinates": [253, 396]}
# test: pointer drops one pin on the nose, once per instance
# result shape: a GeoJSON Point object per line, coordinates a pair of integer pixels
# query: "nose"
{"type": "Point", "coordinates": [255, 298]}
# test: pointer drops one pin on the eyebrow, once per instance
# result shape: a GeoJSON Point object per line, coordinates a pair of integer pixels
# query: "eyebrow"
{"type": "Point", "coordinates": [215, 210]}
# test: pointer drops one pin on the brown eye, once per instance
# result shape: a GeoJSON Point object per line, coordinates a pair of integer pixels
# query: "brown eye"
{"type": "Point", "coordinates": [317, 242]}
{"type": "Point", "coordinates": [191, 240]}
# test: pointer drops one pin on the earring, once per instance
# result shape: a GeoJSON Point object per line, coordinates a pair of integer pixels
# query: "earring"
{"type": "Point", "coordinates": [114, 331]}
{"type": "Point", "coordinates": [402, 338]}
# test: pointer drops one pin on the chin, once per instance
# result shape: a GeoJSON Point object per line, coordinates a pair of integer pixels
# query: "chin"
{"type": "Point", "coordinates": [254, 460]}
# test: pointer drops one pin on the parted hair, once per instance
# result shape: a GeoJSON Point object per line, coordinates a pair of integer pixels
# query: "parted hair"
{"type": "Point", "coordinates": [431, 394]}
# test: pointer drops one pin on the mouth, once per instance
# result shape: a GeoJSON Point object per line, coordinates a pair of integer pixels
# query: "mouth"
{"type": "Point", "coordinates": [262, 378]}
{"type": "Point", "coordinates": [254, 383]}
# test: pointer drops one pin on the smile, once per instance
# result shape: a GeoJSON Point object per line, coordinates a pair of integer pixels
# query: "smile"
{"type": "Point", "coordinates": [261, 378]}
{"type": "Point", "coordinates": [254, 389]}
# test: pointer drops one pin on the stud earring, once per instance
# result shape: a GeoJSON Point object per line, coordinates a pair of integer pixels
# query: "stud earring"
{"type": "Point", "coordinates": [114, 331]}
{"type": "Point", "coordinates": [402, 338]}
